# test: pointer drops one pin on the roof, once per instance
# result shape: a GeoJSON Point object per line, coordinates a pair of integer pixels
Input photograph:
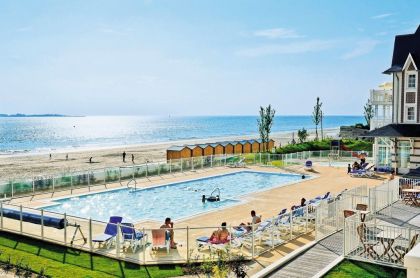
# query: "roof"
{"type": "Point", "coordinates": [203, 146]}
{"type": "Point", "coordinates": [177, 148]}
{"type": "Point", "coordinates": [404, 45]}
{"type": "Point", "coordinates": [224, 144]}
{"type": "Point", "coordinates": [395, 130]}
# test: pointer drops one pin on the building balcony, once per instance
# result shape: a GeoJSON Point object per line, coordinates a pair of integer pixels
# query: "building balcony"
{"type": "Point", "coordinates": [379, 122]}
{"type": "Point", "coordinates": [381, 97]}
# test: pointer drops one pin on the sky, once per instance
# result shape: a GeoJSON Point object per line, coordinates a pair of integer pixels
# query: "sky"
{"type": "Point", "coordinates": [204, 57]}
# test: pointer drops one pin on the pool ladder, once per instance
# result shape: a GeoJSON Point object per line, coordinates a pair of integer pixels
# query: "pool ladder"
{"type": "Point", "coordinates": [217, 189]}
{"type": "Point", "coordinates": [135, 184]}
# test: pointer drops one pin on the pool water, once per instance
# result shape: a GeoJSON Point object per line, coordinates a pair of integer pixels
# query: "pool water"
{"type": "Point", "coordinates": [175, 200]}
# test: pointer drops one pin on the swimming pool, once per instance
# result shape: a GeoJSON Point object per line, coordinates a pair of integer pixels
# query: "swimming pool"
{"type": "Point", "coordinates": [176, 200]}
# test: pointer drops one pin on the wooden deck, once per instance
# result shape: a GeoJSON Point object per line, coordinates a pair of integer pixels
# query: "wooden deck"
{"type": "Point", "coordinates": [314, 259]}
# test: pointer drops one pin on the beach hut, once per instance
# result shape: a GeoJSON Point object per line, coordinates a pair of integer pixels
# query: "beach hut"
{"type": "Point", "coordinates": [246, 146]}
{"type": "Point", "coordinates": [196, 150]}
{"type": "Point", "coordinates": [208, 149]}
{"type": "Point", "coordinates": [177, 152]}
{"type": "Point", "coordinates": [228, 147]}
{"type": "Point", "coordinates": [237, 147]}
{"type": "Point", "coordinates": [270, 145]}
{"type": "Point", "coordinates": [255, 146]}
{"type": "Point", "coordinates": [218, 148]}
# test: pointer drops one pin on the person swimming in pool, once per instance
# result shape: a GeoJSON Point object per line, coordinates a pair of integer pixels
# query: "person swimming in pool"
{"type": "Point", "coordinates": [169, 225]}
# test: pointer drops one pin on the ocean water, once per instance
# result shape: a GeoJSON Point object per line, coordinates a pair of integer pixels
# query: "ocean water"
{"type": "Point", "coordinates": [153, 203]}
{"type": "Point", "coordinates": [20, 135]}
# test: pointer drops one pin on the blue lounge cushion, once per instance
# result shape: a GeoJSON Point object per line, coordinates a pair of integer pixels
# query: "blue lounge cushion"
{"type": "Point", "coordinates": [102, 238]}
{"type": "Point", "coordinates": [203, 239]}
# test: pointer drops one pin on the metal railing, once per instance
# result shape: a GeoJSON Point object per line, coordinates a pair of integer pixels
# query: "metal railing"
{"type": "Point", "coordinates": [72, 180]}
{"type": "Point", "coordinates": [148, 246]}
{"type": "Point", "coordinates": [378, 243]}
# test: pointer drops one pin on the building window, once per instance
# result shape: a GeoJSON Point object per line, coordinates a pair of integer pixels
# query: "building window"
{"type": "Point", "coordinates": [403, 154]}
{"type": "Point", "coordinates": [410, 97]}
{"type": "Point", "coordinates": [411, 81]}
{"type": "Point", "coordinates": [410, 114]}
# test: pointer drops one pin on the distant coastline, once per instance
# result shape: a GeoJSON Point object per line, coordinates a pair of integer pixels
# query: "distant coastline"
{"type": "Point", "coordinates": [18, 115]}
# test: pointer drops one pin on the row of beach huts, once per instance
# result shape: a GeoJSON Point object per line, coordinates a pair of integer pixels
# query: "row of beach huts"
{"type": "Point", "coordinates": [218, 148]}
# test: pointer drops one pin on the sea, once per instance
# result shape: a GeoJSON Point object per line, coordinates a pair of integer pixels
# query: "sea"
{"type": "Point", "coordinates": [22, 135]}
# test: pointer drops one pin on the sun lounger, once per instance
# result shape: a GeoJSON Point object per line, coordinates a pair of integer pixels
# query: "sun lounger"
{"type": "Point", "coordinates": [110, 233]}
{"type": "Point", "coordinates": [132, 237]}
{"type": "Point", "coordinates": [238, 164]}
{"type": "Point", "coordinates": [160, 240]}
{"type": "Point", "coordinates": [204, 242]}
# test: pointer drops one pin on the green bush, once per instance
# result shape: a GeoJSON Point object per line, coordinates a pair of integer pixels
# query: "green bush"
{"type": "Point", "coordinates": [347, 144]}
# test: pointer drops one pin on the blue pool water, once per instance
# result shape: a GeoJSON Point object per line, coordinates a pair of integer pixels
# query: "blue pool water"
{"type": "Point", "coordinates": [176, 200]}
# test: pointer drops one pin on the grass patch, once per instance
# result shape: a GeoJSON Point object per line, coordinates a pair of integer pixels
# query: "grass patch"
{"type": "Point", "coordinates": [349, 269]}
{"type": "Point", "coordinates": [59, 261]}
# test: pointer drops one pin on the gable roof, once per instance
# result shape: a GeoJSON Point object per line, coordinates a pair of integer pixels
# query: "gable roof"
{"type": "Point", "coordinates": [177, 148]}
{"type": "Point", "coordinates": [403, 46]}
{"type": "Point", "coordinates": [395, 130]}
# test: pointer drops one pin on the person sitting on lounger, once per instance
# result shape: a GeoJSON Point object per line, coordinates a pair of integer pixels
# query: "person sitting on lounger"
{"type": "Point", "coordinates": [169, 225]}
{"type": "Point", "coordinates": [356, 166]}
{"type": "Point", "coordinates": [220, 235]}
{"type": "Point", "coordinates": [255, 220]}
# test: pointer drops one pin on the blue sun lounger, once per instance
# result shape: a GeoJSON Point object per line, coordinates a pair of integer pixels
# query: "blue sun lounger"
{"type": "Point", "coordinates": [110, 233]}
{"type": "Point", "coordinates": [133, 237]}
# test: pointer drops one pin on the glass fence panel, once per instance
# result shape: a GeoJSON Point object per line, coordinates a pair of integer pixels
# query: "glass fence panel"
{"type": "Point", "coordinates": [80, 179]}
{"type": "Point", "coordinates": [6, 189]}
{"type": "Point", "coordinates": [126, 173]}
{"type": "Point", "coordinates": [112, 175]}
{"type": "Point", "coordinates": [97, 177]}
{"type": "Point", "coordinates": [62, 182]}
{"type": "Point", "coordinates": [22, 187]}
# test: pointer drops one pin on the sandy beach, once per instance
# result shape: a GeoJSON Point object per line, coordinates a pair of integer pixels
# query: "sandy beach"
{"type": "Point", "coordinates": [23, 166]}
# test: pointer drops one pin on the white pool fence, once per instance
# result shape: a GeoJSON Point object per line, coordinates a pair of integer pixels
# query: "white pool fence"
{"type": "Point", "coordinates": [130, 175]}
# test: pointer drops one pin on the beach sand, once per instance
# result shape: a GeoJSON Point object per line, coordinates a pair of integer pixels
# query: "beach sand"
{"type": "Point", "coordinates": [26, 166]}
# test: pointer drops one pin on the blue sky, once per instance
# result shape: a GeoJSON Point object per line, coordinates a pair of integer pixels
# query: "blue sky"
{"type": "Point", "coordinates": [196, 57]}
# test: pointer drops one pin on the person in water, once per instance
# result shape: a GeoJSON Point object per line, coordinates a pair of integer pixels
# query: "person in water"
{"type": "Point", "coordinates": [221, 235]}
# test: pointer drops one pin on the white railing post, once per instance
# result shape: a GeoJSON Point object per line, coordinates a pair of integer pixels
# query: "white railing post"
{"type": "Point", "coordinates": [13, 188]}
{"type": "Point", "coordinates": [71, 185]}
{"type": "Point", "coordinates": [202, 162]}
{"type": "Point", "coordinates": [260, 158]}
{"type": "Point", "coordinates": [188, 244]}
{"type": "Point", "coordinates": [65, 228]}
{"type": "Point", "coordinates": [90, 235]}
{"type": "Point", "coordinates": [53, 184]}
{"type": "Point", "coordinates": [42, 223]}
{"type": "Point", "coordinates": [144, 246]}
{"type": "Point", "coordinates": [105, 177]}
{"type": "Point", "coordinates": [225, 159]}
{"type": "Point", "coordinates": [307, 218]}
{"type": "Point", "coordinates": [1, 215]}
{"type": "Point", "coordinates": [117, 240]}
{"type": "Point", "coordinates": [20, 219]}
{"type": "Point", "coordinates": [252, 241]}
{"type": "Point", "coordinates": [272, 235]}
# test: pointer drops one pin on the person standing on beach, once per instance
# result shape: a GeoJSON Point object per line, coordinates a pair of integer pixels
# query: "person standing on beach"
{"type": "Point", "coordinates": [67, 156]}
{"type": "Point", "coordinates": [50, 156]}
{"type": "Point", "coordinates": [124, 154]}
{"type": "Point", "coordinates": [90, 159]}
{"type": "Point", "coordinates": [132, 158]}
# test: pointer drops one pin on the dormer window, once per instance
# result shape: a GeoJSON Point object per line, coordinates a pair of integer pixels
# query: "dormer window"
{"type": "Point", "coordinates": [411, 81]}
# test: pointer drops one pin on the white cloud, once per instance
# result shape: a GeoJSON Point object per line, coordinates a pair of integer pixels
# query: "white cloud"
{"type": "Point", "coordinates": [362, 48]}
{"type": "Point", "coordinates": [380, 16]}
{"type": "Point", "coordinates": [287, 48]}
{"type": "Point", "coordinates": [277, 33]}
